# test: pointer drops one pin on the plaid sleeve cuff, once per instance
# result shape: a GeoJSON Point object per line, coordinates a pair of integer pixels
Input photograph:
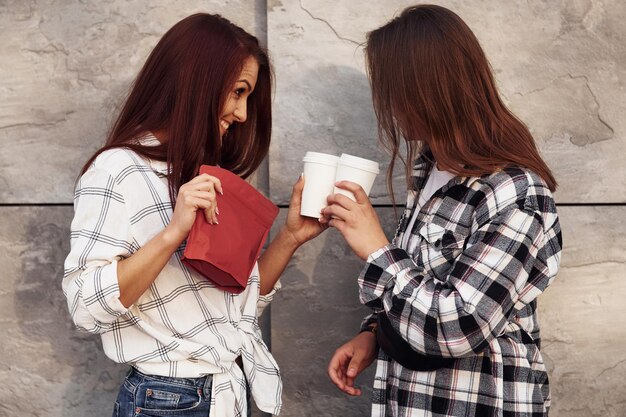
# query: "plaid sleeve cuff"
{"type": "Point", "coordinates": [101, 294]}
{"type": "Point", "coordinates": [368, 321]}
{"type": "Point", "coordinates": [380, 271]}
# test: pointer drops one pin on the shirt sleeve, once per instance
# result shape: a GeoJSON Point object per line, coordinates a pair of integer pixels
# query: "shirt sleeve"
{"type": "Point", "coordinates": [100, 236]}
{"type": "Point", "coordinates": [368, 321]}
{"type": "Point", "coordinates": [506, 263]}
{"type": "Point", "coordinates": [265, 300]}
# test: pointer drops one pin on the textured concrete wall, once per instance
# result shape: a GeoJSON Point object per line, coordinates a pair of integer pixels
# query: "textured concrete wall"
{"type": "Point", "coordinates": [560, 66]}
{"type": "Point", "coordinates": [583, 316]}
{"type": "Point", "coordinates": [41, 351]}
{"type": "Point", "coordinates": [67, 64]}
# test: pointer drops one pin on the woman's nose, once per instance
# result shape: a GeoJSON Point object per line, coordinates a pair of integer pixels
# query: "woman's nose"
{"type": "Point", "coordinates": [241, 111]}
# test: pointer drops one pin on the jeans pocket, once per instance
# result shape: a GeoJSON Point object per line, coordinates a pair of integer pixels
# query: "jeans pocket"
{"type": "Point", "coordinates": [161, 398]}
{"type": "Point", "coordinates": [124, 403]}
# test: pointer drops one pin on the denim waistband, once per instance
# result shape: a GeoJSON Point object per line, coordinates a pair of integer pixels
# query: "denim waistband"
{"type": "Point", "coordinates": [134, 376]}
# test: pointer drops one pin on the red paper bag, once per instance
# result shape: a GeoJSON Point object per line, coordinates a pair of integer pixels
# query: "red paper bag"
{"type": "Point", "coordinates": [225, 253]}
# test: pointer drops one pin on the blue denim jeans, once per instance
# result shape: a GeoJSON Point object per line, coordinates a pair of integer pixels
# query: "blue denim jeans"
{"type": "Point", "coordinates": [144, 395]}
{"type": "Point", "coordinates": [149, 395]}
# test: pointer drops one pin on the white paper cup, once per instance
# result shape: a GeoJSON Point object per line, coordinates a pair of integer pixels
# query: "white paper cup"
{"type": "Point", "coordinates": [319, 182]}
{"type": "Point", "coordinates": [359, 170]}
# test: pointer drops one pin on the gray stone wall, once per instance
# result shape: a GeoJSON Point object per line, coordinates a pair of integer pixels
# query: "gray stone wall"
{"type": "Point", "coordinates": [66, 66]}
{"type": "Point", "coordinates": [560, 66]}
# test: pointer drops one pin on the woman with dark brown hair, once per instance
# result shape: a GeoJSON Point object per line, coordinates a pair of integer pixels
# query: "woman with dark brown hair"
{"type": "Point", "coordinates": [454, 294]}
{"type": "Point", "coordinates": [202, 97]}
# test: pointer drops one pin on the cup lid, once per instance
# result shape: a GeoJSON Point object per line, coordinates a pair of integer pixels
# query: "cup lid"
{"type": "Point", "coordinates": [361, 163]}
{"type": "Point", "coordinates": [321, 158]}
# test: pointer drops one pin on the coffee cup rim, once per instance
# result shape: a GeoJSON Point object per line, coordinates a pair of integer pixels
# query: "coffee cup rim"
{"type": "Point", "coordinates": [358, 162]}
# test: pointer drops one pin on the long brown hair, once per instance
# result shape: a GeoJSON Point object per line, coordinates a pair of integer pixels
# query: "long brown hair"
{"type": "Point", "coordinates": [432, 84]}
{"type": "Point", "coordinates": [181, 90]}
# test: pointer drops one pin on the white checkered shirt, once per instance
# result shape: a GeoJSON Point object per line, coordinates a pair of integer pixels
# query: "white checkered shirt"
{"type": "Point", "coordinates": [181, 326]}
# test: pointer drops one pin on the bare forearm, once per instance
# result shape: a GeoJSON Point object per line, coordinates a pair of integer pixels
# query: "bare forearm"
{"type": "Point", "coordinates": [275, 259]}
{"type": "Point", "coordinates": [136, 273]}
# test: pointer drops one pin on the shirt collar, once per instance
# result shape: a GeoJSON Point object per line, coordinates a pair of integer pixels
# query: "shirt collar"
{"type": "Point", "coordinates": [159, 167]}
{"type": "Point", "coordinates": [421, 168]}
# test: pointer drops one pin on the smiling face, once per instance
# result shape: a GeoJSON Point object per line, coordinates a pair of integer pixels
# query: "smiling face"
{"type": "Point", "coordinates": [235, 107]}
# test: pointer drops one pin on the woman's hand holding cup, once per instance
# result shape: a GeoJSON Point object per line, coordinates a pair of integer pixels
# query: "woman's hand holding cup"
{"type": "Point", "coordinates": [356, 220]}
{"type": "Point", "coordinates": [301, 228]}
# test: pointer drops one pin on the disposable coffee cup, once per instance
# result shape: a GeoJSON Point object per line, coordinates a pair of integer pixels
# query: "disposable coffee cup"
{"type": "Point", "coordinates": [319, 182]}
{"type": "Point", "coordinates": [359, 170]}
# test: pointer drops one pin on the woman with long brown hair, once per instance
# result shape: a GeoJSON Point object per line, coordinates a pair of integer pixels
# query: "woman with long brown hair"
{"type": "Point", "coordinates": [202, 97]}
{"type": "Point", "coordinates": [454, 294]}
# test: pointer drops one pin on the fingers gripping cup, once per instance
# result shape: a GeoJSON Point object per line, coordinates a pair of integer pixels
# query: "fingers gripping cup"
{"type": "Point", "coordinates": [319, 182]}
{"type": "Point", "coordinates": [359, 170]}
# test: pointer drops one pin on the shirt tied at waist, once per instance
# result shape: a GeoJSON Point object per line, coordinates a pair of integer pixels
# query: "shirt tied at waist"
{"type": "Point", "coordinates": [263, 376]}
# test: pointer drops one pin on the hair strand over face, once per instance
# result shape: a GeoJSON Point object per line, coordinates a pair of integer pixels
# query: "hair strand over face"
{"type": "Point", "coordinates": [433, 86]}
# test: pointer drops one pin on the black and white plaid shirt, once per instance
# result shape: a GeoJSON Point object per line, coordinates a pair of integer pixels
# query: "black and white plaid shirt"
{"type": "Point", "coordinates": [465, 287]}
{"type": "Point", "coordinates": [181, 326]}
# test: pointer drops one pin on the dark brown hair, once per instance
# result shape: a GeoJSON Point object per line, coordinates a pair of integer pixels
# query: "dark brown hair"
{"type": "Point", "coordinates": [181, 90]}
{"type": "Point", "coordinates": [432, 84]}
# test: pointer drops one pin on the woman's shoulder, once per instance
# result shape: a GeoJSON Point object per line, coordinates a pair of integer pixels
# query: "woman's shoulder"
{"type": "Point", "coordinates": [113, 169]}
{"type": "Point", "coordinates": [512, 188]}
{"type": "Point", "coordinates": [116, 161]}
{"type": "Point", "coordinates": [518, 179]}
